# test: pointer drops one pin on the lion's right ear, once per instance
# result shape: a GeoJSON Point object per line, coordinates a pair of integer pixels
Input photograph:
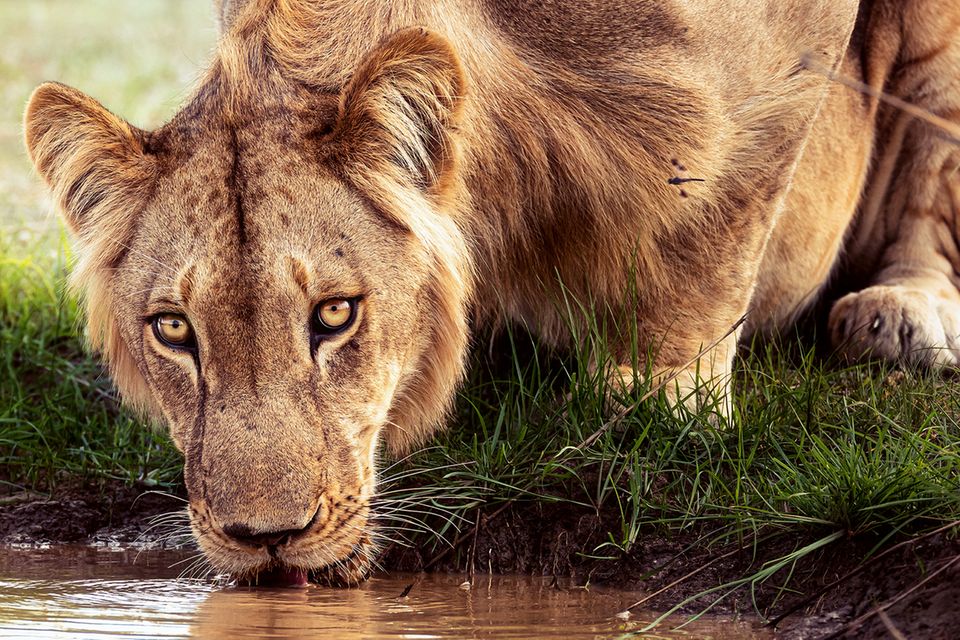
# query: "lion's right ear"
{"type": "Point", "coordinates": [93, 161]}
{"type": "Point", "coordinates": [399, 112]}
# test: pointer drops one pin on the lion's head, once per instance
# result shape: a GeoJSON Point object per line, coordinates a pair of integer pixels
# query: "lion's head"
{"type": "Point", "coordinates": [276, 274]}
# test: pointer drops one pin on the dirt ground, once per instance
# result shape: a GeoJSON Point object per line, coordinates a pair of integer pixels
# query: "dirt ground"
{"type": "Point", "coordinates": [919, 582]}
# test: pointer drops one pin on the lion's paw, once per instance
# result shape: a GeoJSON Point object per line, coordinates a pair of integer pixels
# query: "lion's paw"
{"type": "Point", "coordinates": [899, 324]}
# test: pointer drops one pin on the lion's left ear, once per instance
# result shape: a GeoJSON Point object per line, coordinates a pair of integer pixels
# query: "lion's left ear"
{"type": "Point", "coordinates": [399, 112]}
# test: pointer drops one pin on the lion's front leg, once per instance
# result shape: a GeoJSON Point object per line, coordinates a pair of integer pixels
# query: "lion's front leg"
{"type": "Point", "coordinates": [911, 311]}
{"type": "Point", "coordinates": [685, 338]}
{"type": "Point", "coordinates": [694, 300]}
{"type": "Point", "coordinates": [702, 384]}
{"type": "Point", "coordinates": [911, 314]}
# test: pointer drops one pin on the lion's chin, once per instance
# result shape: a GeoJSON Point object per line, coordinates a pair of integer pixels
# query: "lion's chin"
{"type": "Point", "coordinates": [349, 572]}
{"type": "Point", "coordinates": [277, 577]}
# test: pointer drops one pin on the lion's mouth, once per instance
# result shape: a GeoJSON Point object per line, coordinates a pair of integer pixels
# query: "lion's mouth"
{"type": "Point", "coordinates": [347, 572]}
{"type": "Point", "coordinates": [336, 548]}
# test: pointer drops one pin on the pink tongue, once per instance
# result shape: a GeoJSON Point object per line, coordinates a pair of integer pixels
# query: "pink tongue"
{"type": "Point", "coordinates": [279, 577]}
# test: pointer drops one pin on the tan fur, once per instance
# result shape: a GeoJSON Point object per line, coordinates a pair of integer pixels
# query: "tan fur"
{"type": "Point", "coordinates": [462, 165]}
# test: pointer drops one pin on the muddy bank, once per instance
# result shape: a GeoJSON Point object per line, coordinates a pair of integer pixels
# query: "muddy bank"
{"type": "Point", "coordinates": [823, 595]}
{"type": "Point", "coordinates": [919, 581]}
{"type": "Point", "coordinates": [105, 513]}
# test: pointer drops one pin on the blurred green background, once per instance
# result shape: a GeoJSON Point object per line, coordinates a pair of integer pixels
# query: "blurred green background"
{"type": "Point", "coordinates": [138, 57]}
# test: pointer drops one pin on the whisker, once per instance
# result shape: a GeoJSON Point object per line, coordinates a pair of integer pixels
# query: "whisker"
{"type": "Point", "coordinates": [412, 473]}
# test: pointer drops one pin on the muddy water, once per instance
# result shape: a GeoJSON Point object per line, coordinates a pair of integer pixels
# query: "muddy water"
{"type": "Point", "coordinates": [71, 592]}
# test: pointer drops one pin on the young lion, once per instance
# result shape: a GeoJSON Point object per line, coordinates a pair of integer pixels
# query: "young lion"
{"type": "Point", "coordinates": [289, 270]}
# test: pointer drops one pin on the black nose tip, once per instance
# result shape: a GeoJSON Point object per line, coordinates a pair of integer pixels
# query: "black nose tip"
{"type": "Point", "coordinates": [243, 533]}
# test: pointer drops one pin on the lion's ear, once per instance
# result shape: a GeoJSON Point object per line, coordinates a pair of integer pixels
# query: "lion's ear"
{"type": "Point", "coordinates": [399, 111]}
{"type": "Point", "coordinates": [93, 161]}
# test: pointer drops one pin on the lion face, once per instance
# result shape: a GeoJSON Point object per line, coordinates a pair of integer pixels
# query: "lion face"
{"type": "Point", "coordinates": [274, 273]}
{"type": "Point", "coordinates": [274, 321]}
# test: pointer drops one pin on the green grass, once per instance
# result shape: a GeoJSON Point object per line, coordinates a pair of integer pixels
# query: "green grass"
{"type": "Point", "coordinates": [817, 451]}
{"type": "Point", "coordinates": [59, 418]}
{"type": "Point", "coordinates": [813, 445]}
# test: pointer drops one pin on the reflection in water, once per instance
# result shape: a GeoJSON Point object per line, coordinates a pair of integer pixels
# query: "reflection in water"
{"type": "Point", "coordinates": [70, 592]}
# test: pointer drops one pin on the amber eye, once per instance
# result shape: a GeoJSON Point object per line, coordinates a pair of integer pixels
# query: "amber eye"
{"type": "Point", "coordinates": [174, 331]}
{"type": "Point", "coordinates": [334, 315]}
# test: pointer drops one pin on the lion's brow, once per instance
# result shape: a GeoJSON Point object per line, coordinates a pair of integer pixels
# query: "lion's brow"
{"type": "Point", "coordinates": [300, 273]}
{"type": "Point", "coordinates": [185, 284]}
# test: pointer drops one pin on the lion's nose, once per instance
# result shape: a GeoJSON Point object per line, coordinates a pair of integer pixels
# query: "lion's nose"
{"type": "Point", "coordinates": [243, 533]}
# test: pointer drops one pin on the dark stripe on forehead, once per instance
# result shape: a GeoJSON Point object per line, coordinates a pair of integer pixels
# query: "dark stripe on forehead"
{"type": "Point", "coordinates": [237, 183]}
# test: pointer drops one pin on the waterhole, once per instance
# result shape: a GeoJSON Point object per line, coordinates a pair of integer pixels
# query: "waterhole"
{"type": "Point", "coordinates": [83, 592]}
